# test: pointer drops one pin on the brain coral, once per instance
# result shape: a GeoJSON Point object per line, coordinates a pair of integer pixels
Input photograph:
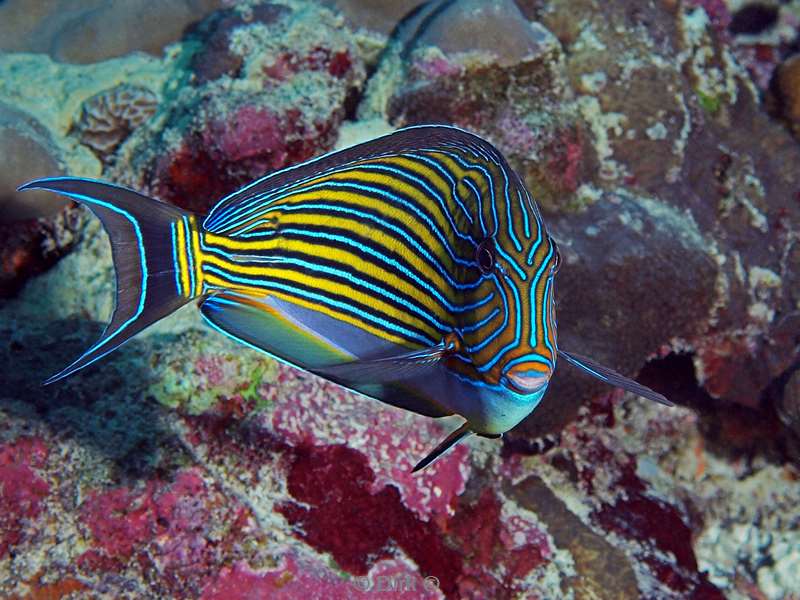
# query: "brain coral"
{"type": "Point", "coordinates": [109, 117]}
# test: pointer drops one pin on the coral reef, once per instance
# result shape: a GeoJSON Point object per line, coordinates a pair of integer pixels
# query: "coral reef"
{"type": "Point", "coordinates": [268, 88]}
{"type": "Point", "coordinates": [660, 140]}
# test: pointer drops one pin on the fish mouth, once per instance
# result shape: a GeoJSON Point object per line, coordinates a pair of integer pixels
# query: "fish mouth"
{"type": "Point", "coordinates": [528, 381]}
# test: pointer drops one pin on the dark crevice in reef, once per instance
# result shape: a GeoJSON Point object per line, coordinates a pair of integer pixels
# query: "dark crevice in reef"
{"type": "Point", "coordinates": [401, 42]}
{"type": "Point", "coordinates": [729, 429]}
{"type": "Point", "coordinates": [753, 18]}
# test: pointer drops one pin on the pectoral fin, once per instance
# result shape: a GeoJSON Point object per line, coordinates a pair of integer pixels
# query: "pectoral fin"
{"type": "Point", "coordinates": [390, 368]}
{"type": "Point", "coordinates": [448, 442]}
{"type": "Point", "coordinates": [612, 377]}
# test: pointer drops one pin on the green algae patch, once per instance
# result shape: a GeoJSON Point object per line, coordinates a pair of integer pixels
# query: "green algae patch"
{"type": "Point", "coordinates": [710, 104]}
{"type": "Point", "coordinates": [194, 370]}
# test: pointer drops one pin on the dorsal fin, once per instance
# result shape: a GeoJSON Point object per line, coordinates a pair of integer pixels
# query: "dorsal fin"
{"type": "Point", "coordinates": [416, 138]}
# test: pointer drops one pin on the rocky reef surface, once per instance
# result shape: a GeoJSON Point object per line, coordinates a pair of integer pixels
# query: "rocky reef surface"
{"type": "Point", "coordinates": [662, 141]}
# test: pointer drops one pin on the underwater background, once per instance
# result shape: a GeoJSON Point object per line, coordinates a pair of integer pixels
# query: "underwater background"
{"type": "Point", "coordinates": [661, 140]}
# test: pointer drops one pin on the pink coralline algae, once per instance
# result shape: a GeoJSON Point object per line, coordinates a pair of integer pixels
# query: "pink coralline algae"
{"type": "Point", "coordinates": [167, 526]}
{"type": "Point", "coordinates": [502, 551]}
{"type": "Point", "coordinates": [310, 411]}
{"type": "Point", "coordinates": [338, 513]}
{"type": "Point", "coordinates": [22, 490]}
{"type": "Point", "coordinates": [311, 580]}
{"type": "Point", "coordinates": [249, 107]}
{"type": "Point", "coordinates": [248, 133]}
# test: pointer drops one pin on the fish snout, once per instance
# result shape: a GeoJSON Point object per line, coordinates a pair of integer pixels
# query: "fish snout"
{"type": "Point", "coordinates": [527, 379]}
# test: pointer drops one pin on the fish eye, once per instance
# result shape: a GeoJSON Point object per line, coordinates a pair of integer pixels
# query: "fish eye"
{"type": "Point", "coordinates": [484, 256]}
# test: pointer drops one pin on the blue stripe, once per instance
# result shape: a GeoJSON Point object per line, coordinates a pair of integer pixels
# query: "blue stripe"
{"type": "Point", "coordinates": [546, 313]}
{"type": "Point", "coordinates": [449, 177]}
{"type": "Point", "coordinates": [510, 260]}
{"type": "Point", "coordinates": [526, 223]}
{"type": "Point", "coordinates": [140, 242]}
{"type": "Point", "coordinates": [536, 244]}
{"type": "Point", "coordinates": [538, 358]}
{"type": "Point", "coordinates": [478, 324]}
{"type": "Point", "coordinates": [384, 224]}
{"type": "Point", "coordinates": [255, 225]}
{"type": "Point", "coordinates": [364, 316]}
{"type": "Point", "coordinates": [479, 203]}
{"type": "Point", "coordinates": [490, 338]}
{"type": "Point", "coordinates": [534, 285]}
{"type": "Point", "coordinates": [517, 332]}
{"type": "Point", "coordinates": [189, 255]}
{"type": "Point", "coordinates": [175, 263]}
{"type": "Point", "coordinates": [510, 221]}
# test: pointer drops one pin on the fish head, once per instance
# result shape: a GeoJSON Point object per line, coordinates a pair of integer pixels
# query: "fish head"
{"type": "Point", "coordinates": [517, 349]}
{"type": "Point", "coordinates": [528, 368]}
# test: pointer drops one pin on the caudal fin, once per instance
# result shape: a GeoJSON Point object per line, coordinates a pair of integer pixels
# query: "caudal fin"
{"type": "Point", "coordinates": [151, 244]}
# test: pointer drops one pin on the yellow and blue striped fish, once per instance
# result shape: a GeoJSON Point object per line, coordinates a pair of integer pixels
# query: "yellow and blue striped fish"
{"type": "Point", "coordinates": [414, 268]}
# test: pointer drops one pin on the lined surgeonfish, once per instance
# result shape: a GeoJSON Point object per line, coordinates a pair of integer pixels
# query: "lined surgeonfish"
{"type": "Point", "coordinates": [414, 268]}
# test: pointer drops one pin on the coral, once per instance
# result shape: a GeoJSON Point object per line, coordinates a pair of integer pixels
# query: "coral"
{"type": "Point", "coordinates": [22, 491]}
{"type": "Point", "coordinates": [186, 466]}
{"type": "Point", "coordinates": [35, 229]}
{"type": "Point", "coordinates": [28, 152]}
{"type": "Point", "coordinates": [788, 84]}
{"type": "Point", "coordinates": [215, 56]}
{"type": "Point", "coordinates": [109, 117]}
{"type": "Point", "coordinates": [374, 15]}
{"type": "Point", "coordinates": [61, 27]}
{"type": "Point", "coordinates": [250, 110]}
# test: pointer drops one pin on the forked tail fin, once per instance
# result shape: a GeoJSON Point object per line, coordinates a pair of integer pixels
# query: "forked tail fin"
{"type": "Point", "coordinates": [152, 244]}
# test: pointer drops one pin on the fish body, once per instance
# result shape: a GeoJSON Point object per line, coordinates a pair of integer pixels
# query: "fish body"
{"type": "Point", "coordinates": [415, 269]}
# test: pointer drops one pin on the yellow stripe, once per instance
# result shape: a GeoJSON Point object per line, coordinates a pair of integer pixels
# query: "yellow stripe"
{"type": "Point", "coordinates": [197, 255]}
{"type": "Point", "coordinates": [436, 181]}
{"type": "Point", "coordinates": [183, 259]}
{"type": "Point", "coordinates": [381, 333]}
{"type": "Point", "coordinates": [333, 289]}
{"type": "Point", "coordinates": [385, 241]}
{"type": "Point", "coordinates": [420, 230]}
